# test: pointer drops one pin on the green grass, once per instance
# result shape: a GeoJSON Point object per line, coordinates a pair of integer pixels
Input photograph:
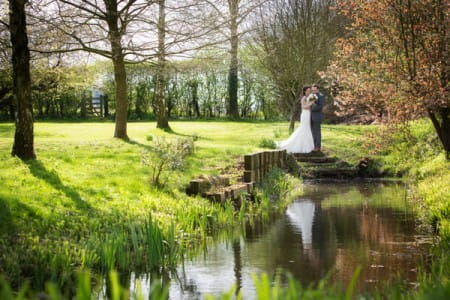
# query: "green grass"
{"type": "Point", "coordinates": [87, 201]}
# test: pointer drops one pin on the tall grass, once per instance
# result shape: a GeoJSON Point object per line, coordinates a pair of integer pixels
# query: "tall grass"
{"type": "Point", "coordinates": [84, 290]}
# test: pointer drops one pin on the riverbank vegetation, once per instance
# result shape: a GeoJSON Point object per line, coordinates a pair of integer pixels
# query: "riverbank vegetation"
{"type": "Point", "coordinates": [102, 212]}
{"type": "Point", "coordinates": [89, 201]}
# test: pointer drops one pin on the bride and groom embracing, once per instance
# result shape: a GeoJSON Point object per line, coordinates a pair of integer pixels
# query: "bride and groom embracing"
{"type": "Point", "coordinates": [307, 137]}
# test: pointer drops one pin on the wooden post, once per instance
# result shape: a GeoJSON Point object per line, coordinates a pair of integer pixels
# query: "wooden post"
{"type": "Point", "coordinates": [273, 162]}
{"type": "Point", "coordinates": [248, 162]}
{"type": "Point", "coordinates": [248, 176]}
{"type": "Point", "coordinates": [194, 187]}
{"type": "Point", "coordinates": [283, 158]}
{"type": "Point", "coordinates": [276, 159]}
{"type": "Point", "coordinates": [260, 165]}
{"type": "Point", "coordinates": [256, 169]}
{"type": "Point", "coordinates": [267, 162]}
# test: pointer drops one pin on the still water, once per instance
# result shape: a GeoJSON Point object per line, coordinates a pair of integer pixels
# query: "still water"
{"type": "Point", "coordinates": [333, 226]}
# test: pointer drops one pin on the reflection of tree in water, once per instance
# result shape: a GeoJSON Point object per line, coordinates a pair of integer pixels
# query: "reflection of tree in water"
{"type": "Point", "coordinates": [258, 227]}
{"type": "Point", "coordinates": [376, 238]}
{"type": "Point", "coordinates": [236, 245]}
{"type": "Point", "coordinates": [187, 285]}
{"type": "Point", "coordinates": [319, 192]}
{"type": "Point", "coordinates": [346, 237]}
{"type": "Point", "coordinates": [322, 231]}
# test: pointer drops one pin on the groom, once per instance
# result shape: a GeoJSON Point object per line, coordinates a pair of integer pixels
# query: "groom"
{"type": "Point", "coordinates": [317, 118]}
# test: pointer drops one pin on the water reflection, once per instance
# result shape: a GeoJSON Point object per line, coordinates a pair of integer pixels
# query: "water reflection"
{"type": "Point", "coordinates": [301, 215]}
{"type": "Point", "coordinates": [333, 226]}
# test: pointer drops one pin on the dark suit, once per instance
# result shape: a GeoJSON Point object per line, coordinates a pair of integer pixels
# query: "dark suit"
{"type": "Point", "coordinates": [316, 120]}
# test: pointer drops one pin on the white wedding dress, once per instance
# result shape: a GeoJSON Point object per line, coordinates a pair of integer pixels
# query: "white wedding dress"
{"type": "Point", "coordinates": [301, 140]}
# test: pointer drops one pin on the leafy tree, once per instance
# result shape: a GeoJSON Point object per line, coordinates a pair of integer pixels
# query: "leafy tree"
{"type": "Point", "coordinates": [394, 67]}
{"type": "Point", "coordinates": [295, 40]}
{"type": "Point", "coordinates": [105, 28]}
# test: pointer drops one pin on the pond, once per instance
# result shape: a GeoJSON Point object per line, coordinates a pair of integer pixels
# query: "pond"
{"type": "Point", "coordinates": [333, 226]}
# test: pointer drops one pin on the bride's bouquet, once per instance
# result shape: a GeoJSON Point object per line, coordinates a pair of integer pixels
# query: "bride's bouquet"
{"type": "Point", "coordinates": [312, 97]}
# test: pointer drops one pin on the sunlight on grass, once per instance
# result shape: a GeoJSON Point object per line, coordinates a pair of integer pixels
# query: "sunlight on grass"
{"type": "Point", "coordinates": [87, 189]}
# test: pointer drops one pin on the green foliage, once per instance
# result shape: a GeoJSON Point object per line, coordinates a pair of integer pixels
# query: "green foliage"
{"type": "Point", "coordinates": [290, 288]}
{"type": "Point", "coordinates": [84, 291]}
{"type": "Point", "coordinates": [416, 153]}
{"type": "Point", "coordinates": [267, 143]}
{"type": "Point", "coordinates": [165, 156]}
{"type": "Point", "coordinates": [276, 191]}
{"type": "Point", "coordinates": [277, 133]}
{"type": "Point", "coordinates": [87, 202]}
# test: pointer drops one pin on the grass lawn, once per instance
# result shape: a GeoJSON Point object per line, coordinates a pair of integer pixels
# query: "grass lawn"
{"type": "Point", "coordinates": [81, 167]}
{"type": "Point", "coordinates": [86, 201]}
{"type": "Point", "coordinates": [85, 157]}
{"type": "Point", "coordinates": [87, 187]}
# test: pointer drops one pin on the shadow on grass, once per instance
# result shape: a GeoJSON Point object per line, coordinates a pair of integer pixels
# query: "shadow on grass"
{"type": "Point", "coordinates": [39, 171]}
{"type": "Point", "coordinates": [9, 207]}
{"type": "Point", "coordinates": [136, 143]}
{"type": "Point", "coordinates": [194, 136]}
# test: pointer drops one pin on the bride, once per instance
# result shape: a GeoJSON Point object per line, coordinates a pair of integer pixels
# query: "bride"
{"type": "Point", "coordinates": [301, 140]}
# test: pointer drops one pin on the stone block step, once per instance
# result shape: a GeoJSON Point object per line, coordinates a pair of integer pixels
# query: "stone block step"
{"type": "Point", "coordinates": [325, 165]}
{"type": "Point", "coordinates": [233, 192]}
{"type": "Point", "coordinates": [313, 165]}
{"type": "Point", "coordinates": [331, 173]}
{"type": "Point", "coordinates": [316, 159]}
{"type": "Point", "coordinates": [311, 154]}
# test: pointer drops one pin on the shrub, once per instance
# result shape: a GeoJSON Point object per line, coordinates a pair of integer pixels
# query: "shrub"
{"type": "Point", "coordinates": [277, 133]}
{"type": "Point", "coordinates": [267, 143]}
{"type": "Point", "coordinates": [166, 156]}
{"type": "Point", "coordinates": [195, 137]}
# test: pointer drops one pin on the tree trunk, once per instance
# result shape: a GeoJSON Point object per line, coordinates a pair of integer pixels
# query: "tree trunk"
{"type": "Point", "coordinates": [83, 112]}
{"type": "Point", "coordinates": [120, 74]}
{"type": "Point", "coordinates": [120, 77]}
{"type": "Point", "coordinates": [162, 119]}
{"type": "Point", "coordinates": [233, 83]}
{"type": "Point", "coordinates": [24, 137]}
{"type": "Point", "coordinates": [194, 95]}
{"type": "Point", "coordinates": [294, 115]}
{"type": "Point", "coordinates": [443, 127]}
{"type": "Point", "coordinates": [105, 106]}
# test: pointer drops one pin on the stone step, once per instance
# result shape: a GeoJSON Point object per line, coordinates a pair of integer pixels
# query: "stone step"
{"type": "Point", "coordinates": [316, 159]}
{"type": "Point", "coordinates": [315, 166]}
{"type": "Point", "coordinates": [325, 165]}
{"type": "Point", "coordinates": [331, 173]}
{"type": "Point", "coordinates": [311, 154]}
{"type": "Point", "coordinates": [233, 192]}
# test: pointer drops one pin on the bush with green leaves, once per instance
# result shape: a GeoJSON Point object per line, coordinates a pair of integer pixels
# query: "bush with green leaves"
{"type": "Point", "coordinates": [267, 143]}
{"type": "Point", "coordinates": [277, 133]}
{"type": "Point", "coordinates": [166, 156]}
